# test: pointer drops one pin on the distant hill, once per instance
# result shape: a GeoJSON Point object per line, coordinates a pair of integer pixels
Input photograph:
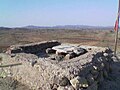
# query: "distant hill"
{"type": "Point", "coordinates": [73, 27]}
{"type": "Point", "coordinates": [5, 28]}
{"type": "Point", "coordinates": [35, 27]}
{"type": "Point", "coordinates": [76, 27]}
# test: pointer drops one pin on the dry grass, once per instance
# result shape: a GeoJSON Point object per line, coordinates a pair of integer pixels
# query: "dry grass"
{"type": "Point", "coordinates": [104, 38]}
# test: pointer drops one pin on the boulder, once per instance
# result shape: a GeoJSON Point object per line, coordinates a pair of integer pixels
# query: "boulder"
{"type": "Point", "coordinates": [75, 82]}
{"type": "Point", "coordinates": [79, 82]}
{"type": "Point", "coordinates": [64, 48]}
{"type": "Point", "coordinates": [105, 54]}
{"type": "Point", "coordinates": [79, 51]}
{"type": "Point", "coordinates": [69, 48]}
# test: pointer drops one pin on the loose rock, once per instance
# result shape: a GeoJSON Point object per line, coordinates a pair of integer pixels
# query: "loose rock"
{"type": "Point", "coordinates": [61, 88]}
{"type": "Point", "coordinates": [50, 51]}
{"type": "Point", "coordinates": [70, 56]}
{"type": "Point", "coordinates": [75, 82]}
{"type": "Point", "coordinates": [79, 82]}
{"type": "Point", "coordinates": [64, 81]}
{"type": "Point", "coordinates": [79, 51]}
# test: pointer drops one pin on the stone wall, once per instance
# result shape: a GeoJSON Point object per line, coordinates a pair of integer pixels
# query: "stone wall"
{"type": "Point", "coordinates": [85, 72]}
{"type": "Point", "coordinates": [32, 48]}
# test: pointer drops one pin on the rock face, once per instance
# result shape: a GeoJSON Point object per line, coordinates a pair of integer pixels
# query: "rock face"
{"type": "Point", "coordinates": [84, 72]}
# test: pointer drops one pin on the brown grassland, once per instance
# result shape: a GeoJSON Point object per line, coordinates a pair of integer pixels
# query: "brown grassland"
{"type": "Point", "coordinates": [103, 38]}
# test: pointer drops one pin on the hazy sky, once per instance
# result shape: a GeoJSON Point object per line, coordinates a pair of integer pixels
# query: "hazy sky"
{"type": "Point", "coordinates": [58, 12]}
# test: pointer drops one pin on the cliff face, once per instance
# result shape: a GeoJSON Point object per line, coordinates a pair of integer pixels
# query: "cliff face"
{"type": "Point", "coordinates": [90, 71]}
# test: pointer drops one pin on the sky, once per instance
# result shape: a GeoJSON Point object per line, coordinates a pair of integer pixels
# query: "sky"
{"type": "Point", "coordinates": [15, 13]}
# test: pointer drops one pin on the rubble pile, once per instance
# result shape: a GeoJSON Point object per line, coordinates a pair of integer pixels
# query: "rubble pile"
{"type": "Point", "coordinates": [84, 72]}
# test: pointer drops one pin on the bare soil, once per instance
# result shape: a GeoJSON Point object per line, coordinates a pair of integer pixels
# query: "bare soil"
{"type": "Point", "coordinates": [103, 38]}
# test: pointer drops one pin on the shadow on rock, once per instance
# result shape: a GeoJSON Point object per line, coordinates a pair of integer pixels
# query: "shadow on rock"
{"type": "Point", "coordinates": [103, 73]}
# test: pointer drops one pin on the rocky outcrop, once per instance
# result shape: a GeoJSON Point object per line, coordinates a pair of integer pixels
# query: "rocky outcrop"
{"type": "Point", "coordinates": [85, 72]}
